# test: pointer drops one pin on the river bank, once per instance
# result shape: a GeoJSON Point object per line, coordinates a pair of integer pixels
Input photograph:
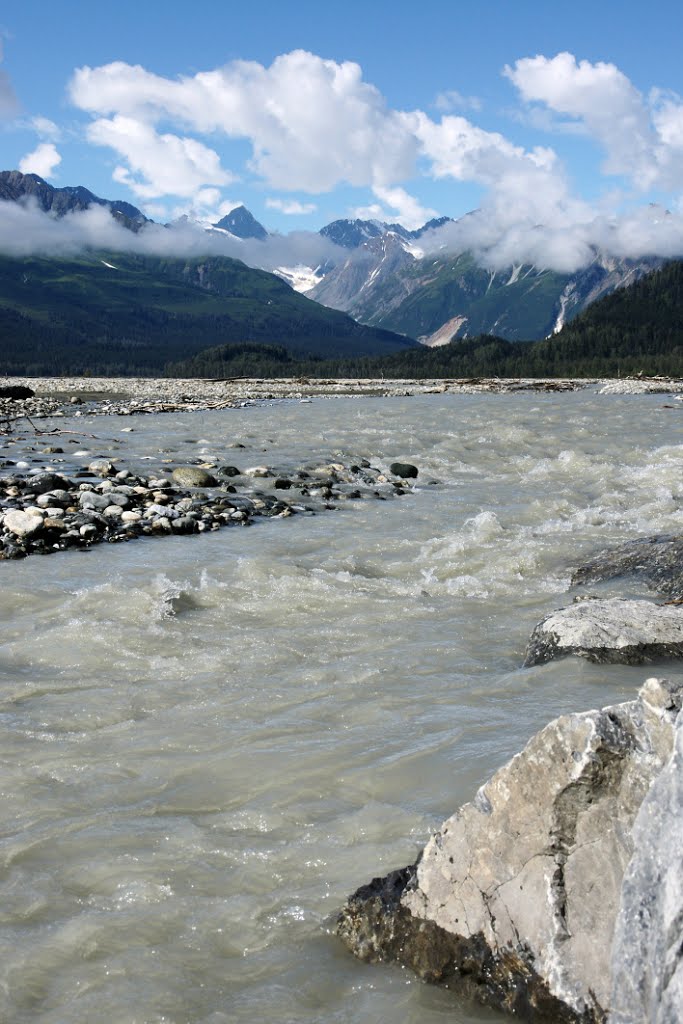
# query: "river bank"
{"type": "Point", "coordinates": [130, 395]}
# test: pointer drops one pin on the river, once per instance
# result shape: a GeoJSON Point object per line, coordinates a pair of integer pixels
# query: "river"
{"type": "Point", "coordinates": [208, 742]}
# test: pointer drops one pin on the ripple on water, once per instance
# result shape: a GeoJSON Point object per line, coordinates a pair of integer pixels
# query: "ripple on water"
{"type": "Point", "coordinates": [208, 742]}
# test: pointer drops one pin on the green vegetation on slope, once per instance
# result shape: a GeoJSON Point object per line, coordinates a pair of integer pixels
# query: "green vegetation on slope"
{"type": "Point", "coordinates": [637, 329]}
{"type": "Point", "coordinates": [80, 315]}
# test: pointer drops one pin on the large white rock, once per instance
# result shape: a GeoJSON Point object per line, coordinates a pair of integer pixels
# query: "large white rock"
{"type": "Point", "coordinates": [647, 956]}
{"type": "Point", "coordinates": [515, 898]}
{"type": "Point", "coordinates": [615, 631]}
{"type": "Point", "coordinates": [23, 523]}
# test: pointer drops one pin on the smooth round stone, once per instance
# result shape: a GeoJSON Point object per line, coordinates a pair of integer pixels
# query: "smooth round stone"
{"type": "Point", "coordinates": [129, 516]}
{"type": "Point", "coordinates": [89, 499]}
{"type": "Point", "coordinates": [193, 476]}
{"type": "Point", "coordinates": [23, 523]}
{"type": "Point", "coordinates": [113, 511]}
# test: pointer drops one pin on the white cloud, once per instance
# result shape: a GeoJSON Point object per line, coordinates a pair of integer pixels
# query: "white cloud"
{"type": "Point", "coordinates": [46, 128]}
{"type": "Point", "coordinates": [407, 210]}
{"type": "Point", "coordinates": [158, 165]}
{"type": "Point", "coordinates": [312, 123]}
{"type": "Point", "coordinates": [454, 100]}
{"type": "Point", "coordinates": [642, 140]}
{"type": "Point", "coordinates": [41, 161]}
{"type": "Point", "coordinates": [291, 207]}
{"type": "Point", "coordinates": [25, 229]}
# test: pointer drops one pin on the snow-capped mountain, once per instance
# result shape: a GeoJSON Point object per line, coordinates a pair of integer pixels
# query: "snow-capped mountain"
{"type": "Point", "coordinates": [242, 224]}
{"type": "Point", "coordinates": [389, 281]}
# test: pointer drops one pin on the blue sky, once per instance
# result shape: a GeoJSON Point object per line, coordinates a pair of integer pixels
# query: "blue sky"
{"type": "Point", "coordinates": [586, 123]}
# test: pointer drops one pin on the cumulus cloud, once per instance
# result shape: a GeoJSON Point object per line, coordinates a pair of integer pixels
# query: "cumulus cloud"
{"type": "Point", "coordinates": [312, 123]}
{"type": "Point", "coordinates": [158, 165]}
{"type": "Point", "coordinates": [642, 138]}
{"type": "Point", "coordinates": [42, 161]}
{"type": "Point", "coordinates": [403, 208]}
{"type": "Point", "coordinates": [291, 207]}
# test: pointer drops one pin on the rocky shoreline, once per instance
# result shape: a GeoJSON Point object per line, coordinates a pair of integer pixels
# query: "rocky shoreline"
{"type": "Point", "coordinates": [124, 396]}
{"type": "Point", "coordinates": [46, 512]}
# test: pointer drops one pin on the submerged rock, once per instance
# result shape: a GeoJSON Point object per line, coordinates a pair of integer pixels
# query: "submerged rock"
{"type": "Point", "coordinates": [657, 561]}
{"type": "Point", "coordinates": [611, 631]}
{"type": "Point", "coordinates": [514, 899]}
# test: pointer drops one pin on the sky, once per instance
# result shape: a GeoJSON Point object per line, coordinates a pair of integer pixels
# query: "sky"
{"type": "Point", "coordinates": [561, 126]}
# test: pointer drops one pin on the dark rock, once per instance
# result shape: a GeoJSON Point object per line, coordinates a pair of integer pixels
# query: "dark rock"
{"type": "Point", "coordinates": [229, 471]}
{"type": "Point", "coordinates": [403, 469]}
{"type": "Point", "coordinates": [283, 484]}
{"type": "Point", "coordinates": [41, 483]}
{"type": "Point", "coordinates": [16, 391]}
{"type": "Point", "coordinates": [657, 561]}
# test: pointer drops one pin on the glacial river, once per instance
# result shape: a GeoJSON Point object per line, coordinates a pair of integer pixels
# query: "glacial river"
{"type": "Point", "coordinates": [208, 742]}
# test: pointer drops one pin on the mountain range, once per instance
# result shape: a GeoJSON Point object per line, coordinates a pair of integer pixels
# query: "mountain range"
{"type": "Point", "coordinates": [395, 285]}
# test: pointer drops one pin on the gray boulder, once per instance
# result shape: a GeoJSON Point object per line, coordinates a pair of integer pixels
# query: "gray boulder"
{"type": "Point", "coordinates": [611, 631]}
{"type": "Point", "coordinates": [514, 899]}
{"type": "Point", "coordinates": [647, 956]}
{"type": "Point", "coordinates": [193, 476]}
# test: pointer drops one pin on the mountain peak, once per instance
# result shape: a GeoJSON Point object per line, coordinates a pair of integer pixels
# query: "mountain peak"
{"type": "Point", "coordinates": [243, 224]}
{"type": "Point", "coordinates": [14, 186]}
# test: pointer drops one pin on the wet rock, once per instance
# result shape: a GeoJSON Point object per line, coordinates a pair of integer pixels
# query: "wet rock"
{"type": "Point", "coordinates": [403, 469]}
{"type": "Point", "coordinates": [41, 483]}
{"type": "Point", "coordinates": [193, 476]}
{"type": "Point", "coordinates": [283, 484]}
{"type": "Point", "coordinates": [229, 471]}
{"type": "Point", "coordinates": [609, 632]}
{"type": "Point", "coordinates": [514, 899]}
{"type": "Point", "coordinates": [657, 561]}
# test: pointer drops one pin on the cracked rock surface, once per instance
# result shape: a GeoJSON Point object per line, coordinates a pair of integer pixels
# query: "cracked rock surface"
{"type": "Point", "coordinates": [514, 899]}
{"type": "Point", "coordinates": [610, 632]}
{"type": "Point", "coordinates": [647, 956]}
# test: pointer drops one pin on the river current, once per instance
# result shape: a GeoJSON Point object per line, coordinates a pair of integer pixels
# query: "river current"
{"type": "Point", "coordinates": [208, 742]}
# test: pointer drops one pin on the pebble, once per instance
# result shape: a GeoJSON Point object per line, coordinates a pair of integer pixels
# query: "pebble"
{"type": "Point", "coordinates": [45, 512]}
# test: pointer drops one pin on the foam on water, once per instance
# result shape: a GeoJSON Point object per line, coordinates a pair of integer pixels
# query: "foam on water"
{"type": "Point", "coordinates": [208, 742]}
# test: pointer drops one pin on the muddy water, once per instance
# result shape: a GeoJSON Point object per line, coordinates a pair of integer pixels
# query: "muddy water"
{"type": "Point", "coordinates": [207, 742]}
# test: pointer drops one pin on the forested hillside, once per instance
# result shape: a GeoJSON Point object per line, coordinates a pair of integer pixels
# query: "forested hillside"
{"type": "Point", "coordinates": [634, 330]}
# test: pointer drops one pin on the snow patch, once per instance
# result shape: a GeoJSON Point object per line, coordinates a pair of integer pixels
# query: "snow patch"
{"type": "Point", "coordinates": [300, 278]}
{"type": "Point", "coordinates": [110, 265]}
